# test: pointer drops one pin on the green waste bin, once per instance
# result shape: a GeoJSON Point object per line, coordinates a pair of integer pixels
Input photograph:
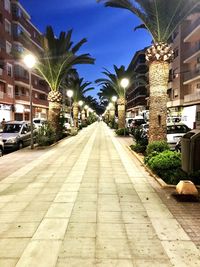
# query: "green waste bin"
{"type": "Point", "coordinates": [190, 151]}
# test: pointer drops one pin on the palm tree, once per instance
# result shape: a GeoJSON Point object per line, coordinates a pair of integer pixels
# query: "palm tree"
{"type": "Point", "coordinates": [160, 18]}
{"type": "Point", "coordinates": [79, 88]}
{"type": "Point", "coordinates": [113, 80]}
{"type": "Point", "coordinates": [59, 56]}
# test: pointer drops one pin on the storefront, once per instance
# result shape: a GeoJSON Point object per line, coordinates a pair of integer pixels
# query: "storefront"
{"type": "Point", "coordinates": [5, 112]}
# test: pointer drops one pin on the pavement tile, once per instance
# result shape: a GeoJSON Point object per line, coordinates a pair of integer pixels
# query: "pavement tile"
{"type": "Point", "coordinates": [112, 249]}
{"type": "Point", "coordinates": [42, 253]}
{"type": "Point", "coordinates": [38, 206]}
{"type": "Point", "coordinates": [78, 248]}
{"type": "Point", "coordinates": [20, 230]}
{"type": "Point", "coordinates": [111, 230]}
{"type": "Point", "coordinates": [75, 262]}
{"type": "Point", "coordinates": [66, 197]}
{"type": "Point", "coordinates": [8, 262]}
{"type": "Point", "coordinates": [169, 229]}
{"type": "Point", "coordinates": [29, 216]}
{"type": "Point", "coordinates": [81, 230]}
{"type": "Point", "coordinates": [12, 247]}
{"type": "Point", "coordinates": [140, 231]}
{"type": "Point", "coordinates": [83, 216]}
{"type": "Point", "coordinates": [109, 217]}
{"type": "Point", "coordinates": [59, 210]}
{"type": "Point", "coordinates": [51, 229]}
{"type": "Point", "coordinates": [182, 253]}
{"type": "Point", "coordinates": [15, 206]}
{"type": "Point", "coordinates": [114, 263]}
{"type": "Point", "coordinates": [85, 206]}
{"type": "Point", "coordinates": [153, 263]}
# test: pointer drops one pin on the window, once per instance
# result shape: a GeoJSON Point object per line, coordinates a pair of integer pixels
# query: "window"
{"type": "Point", "coordinates": [8, 47]}
{"type": "Point", "coordinates": [10, 91]}
{"type": "Point", "coordinates": [9, 70]}
{"type": "Point", "coordinates": [36, 95]}
{"type": "Point", "coordinates": [7, 5]}
{"type": "Point", "coordinates": [16, 90]}
{"type": "Point", "coordinates": [175, 93]}
{"type": "Point", "coordinates": [16, 11]}
{"type": "Point", "coordinates": [7, 26]}
{"type": "Point", "coordinates": [176, 52]}
{"type": "Point", "coordinates": [42, 97]}
{"type": "Point", "coordinates": [23, 91]}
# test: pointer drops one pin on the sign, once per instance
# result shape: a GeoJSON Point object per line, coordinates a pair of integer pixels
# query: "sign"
{"type": "Point", "coordinates": [5, 107]}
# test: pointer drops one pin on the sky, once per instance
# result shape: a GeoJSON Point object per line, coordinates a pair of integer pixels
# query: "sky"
{"type": "Point", "coordinates": [109, 31]}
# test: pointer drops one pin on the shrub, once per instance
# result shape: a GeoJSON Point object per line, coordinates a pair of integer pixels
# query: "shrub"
{"type": "Point", "coordinates": [157, 146]}
{"type": "Point", "coordinates": [122, 132]}
{"type": "Point", "coordinates": [46, 135]}
{"type": "Point", "coordinates": [139, 148]}
{"type": "Point", "coordinates": [166, 160]}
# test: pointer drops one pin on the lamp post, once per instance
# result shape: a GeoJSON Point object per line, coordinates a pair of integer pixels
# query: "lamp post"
{"type": "Point", "coordinates": [80, 103]}
{"type": "Point", "coordinates": [70, 94]}
{"type": "Point", "coordinates": [124, 84]}
{"type": "Point", "coordinates": [30, 61]}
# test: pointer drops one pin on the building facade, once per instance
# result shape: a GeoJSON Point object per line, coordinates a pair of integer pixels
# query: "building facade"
{"type": "Point", "coordinates": [18, 36]}
{"type": "Point", "coordinates": [184, 80]}
{"type": "Point", "coordinates": [137, 93]}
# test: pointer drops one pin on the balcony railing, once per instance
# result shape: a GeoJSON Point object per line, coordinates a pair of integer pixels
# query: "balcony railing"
{"type": "Point", "coordinates": [191, 75]}
{"type": "Point", "coordinates": [192, 97]}
{"type": "Point", "coordinates": [1, 95]}
{"type": "Point", "coordinates": [192, 51]}
{"type": "Point", "coordinates": [193, 26]}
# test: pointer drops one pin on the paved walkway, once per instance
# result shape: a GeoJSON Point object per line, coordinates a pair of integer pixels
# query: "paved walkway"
{"type": "Point", "coordinates": [86, 202]}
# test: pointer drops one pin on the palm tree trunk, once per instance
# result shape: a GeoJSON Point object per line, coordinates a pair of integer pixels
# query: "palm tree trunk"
{"type": "Point", "coordinates": [54, 117]}
{"type": "Point", "coordinates": [121, 113]}
{"type": "Point", "coordinates": [75, 114]}
{"type": "Point", "coordinates": [158, 79]}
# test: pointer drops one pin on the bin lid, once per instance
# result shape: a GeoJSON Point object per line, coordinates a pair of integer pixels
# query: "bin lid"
{"type": "Point", "coordinates": [191, 133]}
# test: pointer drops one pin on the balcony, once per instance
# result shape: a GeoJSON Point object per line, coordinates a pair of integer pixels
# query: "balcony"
{"type": "Point", "coordinates": [193, 32]}
{"type": "Point", "coordinates": [22, 79]}
{"type": "Point", "coordinates": [192, 54]}
{"type": "Point", "coordinates": [192, 97]}
{"type": "Point", "coordinates": [191, 76]}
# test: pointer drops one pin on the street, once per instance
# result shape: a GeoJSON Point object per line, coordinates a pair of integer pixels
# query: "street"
{"type": "Point", "coordinates": [86, 202]}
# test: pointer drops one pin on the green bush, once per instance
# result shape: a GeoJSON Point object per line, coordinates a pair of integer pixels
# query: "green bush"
{"type": "Point", "coordinates": [157, 146]}
{"type": "Point", "coordinates": [165, 160]}
{"type": "Point", "coordinates": [46, 135]}
{"type": "Point", "coordinates": [122, 132]}
{"type": "Point", "coordinates": [139, 148]}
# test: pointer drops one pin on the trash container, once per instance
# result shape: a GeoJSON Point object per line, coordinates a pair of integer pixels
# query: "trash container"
{"type": "Point", "coordinates": [190, 151]}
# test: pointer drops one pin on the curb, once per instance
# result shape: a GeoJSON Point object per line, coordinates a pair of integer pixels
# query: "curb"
{"type": "Point", "coordinates": [157, 178]}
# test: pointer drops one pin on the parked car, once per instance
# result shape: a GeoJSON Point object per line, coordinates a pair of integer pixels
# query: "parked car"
{"type": "Point", "coordinates": [16, 135]}
{"type": "Point", "coordinates": [1, 147]}
{"type": "Point", "coordinates": [38, 122]}
{"type": "Point", "coordinates": [174, 132]}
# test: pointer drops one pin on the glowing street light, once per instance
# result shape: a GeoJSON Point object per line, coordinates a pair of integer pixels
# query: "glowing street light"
{"type": "Point", "coordinates": [80, 103]}
{"type": "Point", "coordinates": [114, 98]}
{"type": "Point", "coordinates": [125, 83]}
{"type": "Point", "coordinates": [30, 61]}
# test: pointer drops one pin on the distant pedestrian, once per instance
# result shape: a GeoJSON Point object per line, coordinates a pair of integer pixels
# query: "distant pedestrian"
{"type": "Point", "coordinates": [3, 123]}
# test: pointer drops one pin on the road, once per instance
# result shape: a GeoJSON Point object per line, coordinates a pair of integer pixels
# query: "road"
{"type": "Point", "coordinates": [86, 202]}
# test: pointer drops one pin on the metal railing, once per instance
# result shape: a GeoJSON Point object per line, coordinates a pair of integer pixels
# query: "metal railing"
{"type": "Point", "coordinates": [192, 97]}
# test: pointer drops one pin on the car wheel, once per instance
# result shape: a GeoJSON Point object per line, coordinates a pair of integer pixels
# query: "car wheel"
{"type": "Point", "coordinates": [1, 152]}
{"type": "Point", "coordinates": [20, 145]}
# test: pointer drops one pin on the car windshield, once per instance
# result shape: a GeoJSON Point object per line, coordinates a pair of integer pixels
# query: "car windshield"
{"type": "Point", "coordinates": [37, 121]}
{"type": "Point", "coordinates": [174, 129]}
{"type": "Point", "coordinates": [12, 128]}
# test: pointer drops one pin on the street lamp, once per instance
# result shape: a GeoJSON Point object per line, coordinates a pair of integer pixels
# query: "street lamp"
{"type": "Point", "coordinates": [114, 98]}
{"type": "Point", "coordinates": [124, 83]}
{"type": "Point", "coordinates": [80, 103]}
{"type": "Point", "coordinates": [70, 94]}
{"type": "Point", "coordinates": [30, 61]}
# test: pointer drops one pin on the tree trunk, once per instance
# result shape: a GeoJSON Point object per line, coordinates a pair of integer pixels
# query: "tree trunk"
{"type": "Point", "coordinates": [75, 114]}
{"type": "Point", "coordinates": [121, 113]}
{"type": "Point", "coordinates": [158, 80]}
{"type": "Point", "coordinates": [83, 115]}
{"type": "Point", "coordinates": [54, 117]}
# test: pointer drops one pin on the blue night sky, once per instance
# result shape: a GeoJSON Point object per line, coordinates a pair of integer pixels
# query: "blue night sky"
{"type": "Point", "coordinates": [109, 31]}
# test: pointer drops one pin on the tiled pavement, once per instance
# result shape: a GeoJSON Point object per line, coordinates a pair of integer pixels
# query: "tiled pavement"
{"type": "Point", "coordinates": [86, 202]}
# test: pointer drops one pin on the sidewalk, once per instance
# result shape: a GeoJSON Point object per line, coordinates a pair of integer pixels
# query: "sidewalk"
{"type": "Point", "coordinates": [87, 202]}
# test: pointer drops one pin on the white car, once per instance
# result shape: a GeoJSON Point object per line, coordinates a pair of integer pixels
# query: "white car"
{"type": "Point", "coordinates": [174, 132]}
{"type": "Point", "coordinates": [38, 122]}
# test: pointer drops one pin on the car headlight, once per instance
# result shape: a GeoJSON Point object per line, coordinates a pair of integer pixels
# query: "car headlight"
{"type": "Point", "coordinates": [11, 140]}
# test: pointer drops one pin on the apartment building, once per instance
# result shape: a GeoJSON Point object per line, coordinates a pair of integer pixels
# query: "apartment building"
{"type": "Point", "coordinates": [136, 94]}
{"type": "Point", "coordinates": [17, 37]}
{"type": "Point", "coordinates": [184, 80]}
